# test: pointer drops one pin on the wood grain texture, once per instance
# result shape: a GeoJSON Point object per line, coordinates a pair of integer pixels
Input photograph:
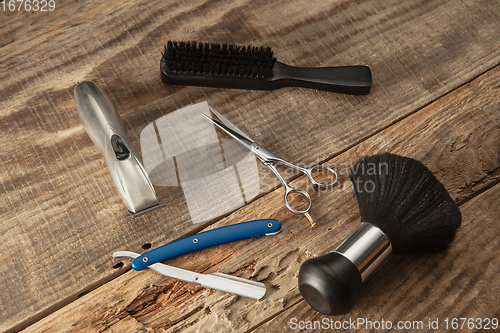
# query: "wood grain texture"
{"type": "Point", "coordinates": [61, 217]}
{"type": "Point", "coordinates": [462, 282]}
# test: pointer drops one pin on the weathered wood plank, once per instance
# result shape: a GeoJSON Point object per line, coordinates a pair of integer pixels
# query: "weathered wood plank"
{"type": "Point", "coordinates": [61, 216]}
{"type": "Point", "coordinates": [461, 282]}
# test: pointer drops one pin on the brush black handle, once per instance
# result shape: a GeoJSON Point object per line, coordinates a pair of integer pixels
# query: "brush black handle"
{"type": "Point", "coordinates": [330, 283]}
{"type": "Point", "coordinates": [353, 80]}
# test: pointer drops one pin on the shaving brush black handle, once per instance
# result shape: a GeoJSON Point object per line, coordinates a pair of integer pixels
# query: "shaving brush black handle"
{"type": "Point", "coordinates": [330, 283]}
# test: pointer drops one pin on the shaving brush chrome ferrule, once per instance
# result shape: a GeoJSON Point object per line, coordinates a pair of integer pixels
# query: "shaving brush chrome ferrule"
{"type": "Point", "coordinates": [330, 283]}
{"type": "Point", "coordinates": [366, 248]}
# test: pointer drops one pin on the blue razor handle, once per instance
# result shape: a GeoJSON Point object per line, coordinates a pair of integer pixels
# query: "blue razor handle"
{"type": "Point", "coordinates": [204, 240]}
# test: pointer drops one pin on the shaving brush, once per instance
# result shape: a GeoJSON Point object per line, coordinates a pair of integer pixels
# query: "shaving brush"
{"type": "Point", "coordinates": [404, 209]}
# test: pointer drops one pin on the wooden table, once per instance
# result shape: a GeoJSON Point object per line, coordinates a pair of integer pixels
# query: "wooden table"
{"type": "Point", "coordinates": [435, 98]}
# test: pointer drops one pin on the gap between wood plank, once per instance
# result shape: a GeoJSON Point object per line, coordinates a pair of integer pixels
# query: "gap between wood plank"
{"type": "Point", "coordinates": [348, 147]}
{"type": "Point", "coordinates": [273, 316]}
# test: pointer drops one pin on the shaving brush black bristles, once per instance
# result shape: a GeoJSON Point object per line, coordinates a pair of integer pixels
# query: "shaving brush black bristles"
{"type": "Point", "coordinates": [404, 210]}
{"type": "Point", "coordinates": [406, 201]}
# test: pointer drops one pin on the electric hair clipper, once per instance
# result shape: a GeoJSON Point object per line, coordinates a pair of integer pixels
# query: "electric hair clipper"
{"type": "Point", "coordinates": [105, 129]}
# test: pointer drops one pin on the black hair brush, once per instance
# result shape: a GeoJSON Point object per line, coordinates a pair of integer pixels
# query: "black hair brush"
{"type": "Point", "coordinates": [404, 209]}
{"type": "Point", "coordinates": [248, 67]}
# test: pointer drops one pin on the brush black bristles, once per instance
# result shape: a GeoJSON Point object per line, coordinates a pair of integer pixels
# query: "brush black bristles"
{"type": "Point", "coordinates": [216, 59]}
{"type": "Point", "coordinates": [406, 201]}
{"type": "Point", "coordinates": [256, 68]}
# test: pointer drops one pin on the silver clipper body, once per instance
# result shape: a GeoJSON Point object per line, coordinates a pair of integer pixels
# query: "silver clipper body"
{"type": "Point", "coordinates": [105, 129]}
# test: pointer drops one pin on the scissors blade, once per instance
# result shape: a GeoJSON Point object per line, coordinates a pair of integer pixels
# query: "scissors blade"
{"type": "Point", "coordinates": [263, 154]}
{"type": "Point", "coordinates": [229, 124]}
{"type": "Point", "coordinates": [230, 129]}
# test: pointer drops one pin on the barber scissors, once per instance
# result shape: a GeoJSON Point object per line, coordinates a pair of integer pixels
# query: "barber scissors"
{"type": "Point", "coordinates": [270, 160]}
